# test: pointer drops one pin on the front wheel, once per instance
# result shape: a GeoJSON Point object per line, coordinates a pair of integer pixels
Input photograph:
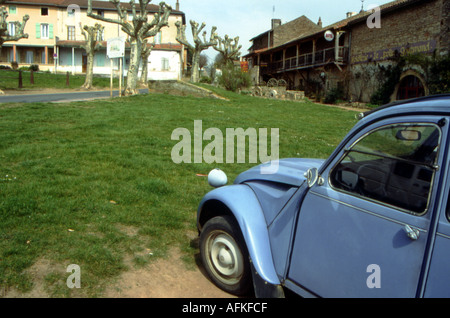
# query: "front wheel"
{"type": "Point", "coordinates": [224, 255]}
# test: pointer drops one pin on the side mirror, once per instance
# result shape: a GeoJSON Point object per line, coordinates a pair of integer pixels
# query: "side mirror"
{"type": "Point", "coordinates": [313, 177]}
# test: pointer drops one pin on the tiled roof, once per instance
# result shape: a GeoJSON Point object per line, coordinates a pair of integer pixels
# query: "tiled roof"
{"type": "Point", "coordinates": [104, 5]}
{"type": "Point", "coordinates": [363, 15]}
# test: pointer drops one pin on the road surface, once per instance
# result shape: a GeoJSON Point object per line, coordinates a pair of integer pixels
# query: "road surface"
{"type": "Point", "coordinates": [60, 97]}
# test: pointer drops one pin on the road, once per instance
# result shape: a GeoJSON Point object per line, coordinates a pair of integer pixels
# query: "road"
{"type": "Point", "coordinates": [60, 97]}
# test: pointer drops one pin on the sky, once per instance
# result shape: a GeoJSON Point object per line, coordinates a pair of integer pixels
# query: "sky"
{"type": "Point", "coordinates": [249, 18]}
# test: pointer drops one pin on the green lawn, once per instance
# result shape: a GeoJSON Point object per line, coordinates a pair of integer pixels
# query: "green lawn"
{"type": "Point", "coordinates": [9, 80]}
{"type": "Point", "coordinates": [93, 183]}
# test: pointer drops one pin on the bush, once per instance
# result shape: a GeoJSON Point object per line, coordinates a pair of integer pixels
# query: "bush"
{"type": "Point", "coordinates": [383, 94]}
{"type": "Point", "coordinates": [334, 95]}
{"type": "Point", "coordinates": [14, 65]}
{"type": "Point", "coordinates": [205, 79]}
{"type": "Point", "coordinates": [34, 67]}
{"type": "Point", "coordinates": [233, 78]}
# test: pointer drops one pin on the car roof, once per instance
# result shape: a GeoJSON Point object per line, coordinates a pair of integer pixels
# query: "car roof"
{"type": "Point", "coordinates": [434, 104]}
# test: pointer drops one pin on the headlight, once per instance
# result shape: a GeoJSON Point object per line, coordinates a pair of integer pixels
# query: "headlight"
{"type": "Point", "coordinates": [217, 178]}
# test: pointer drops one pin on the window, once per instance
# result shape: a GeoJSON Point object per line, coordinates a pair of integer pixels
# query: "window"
{"type": "Point", "coordinates": [44, 11]}
{"type": "Point", "coordinates": [165, 64]}
{"type": "Point", "coordinates": [44, 31]}
{"type": "Point", "coordinates": [12, 28]}
{"type": "Point", "coordinates": [101, 35]}
{"type": "Point", "coordinates": [12, 10]}
{"type": "Point", "coordinates": [394, 165]}
{"type": "Point", "coordinates": [157, 38]}
{"type": "Point", "coordinates": [100, 59]}
{"type": "Point", "coordinates": [29, 58]}
{"type": "Point", "coordinates": [71, 33]}
{"type": "Point", "coordinates": [101, 13]}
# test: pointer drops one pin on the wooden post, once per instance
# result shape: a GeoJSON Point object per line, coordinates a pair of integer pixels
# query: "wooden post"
{"type": "Point", "coordinates": [120, 77]}
{"type": "Point", "coordinates": [111, 80]}
{"type": "Point", "coordinates": [67, 79]}
{"type": "Point", "coordinates": [314, 52]}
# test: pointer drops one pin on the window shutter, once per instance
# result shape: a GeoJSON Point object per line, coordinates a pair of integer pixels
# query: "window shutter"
{"type": "Point", "coordinates": [100, 59]}
{"type": "Point", "coordinates": [38, 30]}
{"type": "Point", "coordinates": [50, 31]}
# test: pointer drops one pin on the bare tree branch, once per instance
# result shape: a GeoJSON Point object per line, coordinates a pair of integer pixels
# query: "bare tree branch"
{"type": "Point", "coordinates": [19, 28]}
{"type": "Point", "coordinates": [229, 48]}
{"type": "Point", "coordinates": [199, 44]}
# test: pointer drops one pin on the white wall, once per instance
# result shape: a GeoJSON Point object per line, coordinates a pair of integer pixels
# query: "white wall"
{"type": "Point", "coordinates": [156, 70]}
{"type": "Point", "coordinates": [163, 65]}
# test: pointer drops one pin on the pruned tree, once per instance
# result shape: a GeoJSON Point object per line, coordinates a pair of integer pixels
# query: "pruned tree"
{"type": "Point", "coordinates": [91, 45]}
{"type": "Point", "coordinates": [229, 48]}
{"type": "Point", "coordinates": [138, 29]}
{"type": "Point", "coordinates": [146, 50]}
{"type": "Point", "coordinates": [19, 27]}
{"type": "Point", "coordinates": [200, 44]}
{"type": "Point", "coordinates": [203, 61]}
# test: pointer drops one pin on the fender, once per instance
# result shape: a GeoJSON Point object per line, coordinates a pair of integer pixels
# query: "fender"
{"type": "Point", "coordinates": [243, 204]}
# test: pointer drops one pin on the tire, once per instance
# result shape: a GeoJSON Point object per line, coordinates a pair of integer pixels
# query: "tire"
{"type": "Point", "coordinates": [224, 255]}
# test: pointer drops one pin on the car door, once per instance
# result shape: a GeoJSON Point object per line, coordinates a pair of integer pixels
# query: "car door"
{"type": "Point", "coordinates": [363, 229]}
{"type": "Point", "coordinates": [437, 283]}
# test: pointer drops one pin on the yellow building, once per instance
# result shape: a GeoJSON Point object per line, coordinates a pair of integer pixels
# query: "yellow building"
{"type": "Point", "coordinates": [54, 38]}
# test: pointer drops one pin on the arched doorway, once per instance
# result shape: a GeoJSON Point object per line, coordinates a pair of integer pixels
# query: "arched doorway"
{"type": "Point", "coordinates": [410, 87]}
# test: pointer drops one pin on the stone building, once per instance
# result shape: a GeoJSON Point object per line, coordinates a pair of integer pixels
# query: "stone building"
{"type": "Point", "coordinates": [353, 54]}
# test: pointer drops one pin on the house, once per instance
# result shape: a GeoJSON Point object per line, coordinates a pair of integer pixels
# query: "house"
{"type": "Point", "coordinates": [349, 54]}
{"type": "Point", "coordinates": [55, 38]}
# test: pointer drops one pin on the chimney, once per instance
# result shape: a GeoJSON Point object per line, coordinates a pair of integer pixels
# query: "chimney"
{"type": "Point", "coordinates": [177, 7]}
{"type": "Point", "coordinates": [320, 22]}
{"type": "Point", "coordinates": [350, 14]}
{"type": "Point", "coordinates": [276, 23]}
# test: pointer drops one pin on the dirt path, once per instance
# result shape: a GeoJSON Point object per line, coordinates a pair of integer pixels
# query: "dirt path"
{"type": "Point", "coordinates": [165, 278]}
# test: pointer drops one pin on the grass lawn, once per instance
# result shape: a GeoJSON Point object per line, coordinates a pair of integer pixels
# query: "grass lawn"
{"type": "Point", "coordinates": [93, 183]}
{"type": "Point", "coordinates": [9, 80]}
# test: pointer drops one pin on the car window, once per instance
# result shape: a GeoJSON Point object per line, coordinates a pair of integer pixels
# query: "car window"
{"type": "Point", "coordinates": [393, 165]}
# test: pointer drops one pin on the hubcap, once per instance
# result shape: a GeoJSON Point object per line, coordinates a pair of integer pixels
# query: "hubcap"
{"type": "Point", "coordinates": [226, 258]}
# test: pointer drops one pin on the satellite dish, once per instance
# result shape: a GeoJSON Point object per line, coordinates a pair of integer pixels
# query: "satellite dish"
{"type": "Point", "coordinates": [217, 178]}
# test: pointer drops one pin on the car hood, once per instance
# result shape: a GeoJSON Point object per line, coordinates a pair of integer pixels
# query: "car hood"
{"type": "Point", "coordinates": [288, 171]}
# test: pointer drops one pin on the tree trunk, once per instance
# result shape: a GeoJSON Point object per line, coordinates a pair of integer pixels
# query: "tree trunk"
{"type": "Point", "coordinates": [88, 83]}
{"type": "Point", "coordinates": [144, 74]}
{"type": "Point", "coordinates": [133, 69]}
{"type": "Point", "coordinates": [195, 72]}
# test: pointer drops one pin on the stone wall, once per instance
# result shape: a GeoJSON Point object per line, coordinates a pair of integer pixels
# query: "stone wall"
{"type": "Point", "coordinates": [417, 27]}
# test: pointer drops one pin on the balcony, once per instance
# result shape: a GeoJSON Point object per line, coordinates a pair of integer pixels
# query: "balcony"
{"type": "Point", "coordinates": [308, 60]}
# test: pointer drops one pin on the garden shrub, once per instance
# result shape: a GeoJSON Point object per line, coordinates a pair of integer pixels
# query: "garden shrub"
{"type": "Point", "coordinates": [233, 79]}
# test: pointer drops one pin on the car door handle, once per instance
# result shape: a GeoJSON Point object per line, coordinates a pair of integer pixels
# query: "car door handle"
{"type": "Point", "coordinates": [412, 233]}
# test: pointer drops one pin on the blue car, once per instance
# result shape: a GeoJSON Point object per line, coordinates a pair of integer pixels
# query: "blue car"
{"type": "Point", "coordinates": [372, 220]}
